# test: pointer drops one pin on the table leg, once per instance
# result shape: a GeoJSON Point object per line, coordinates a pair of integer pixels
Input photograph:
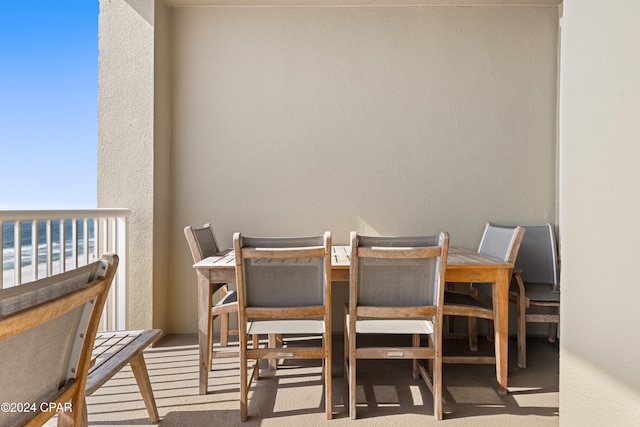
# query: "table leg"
{"type": "Point", "coordinates": [204, 329]}
{"type": "Point", "coordinates": [500, 293]}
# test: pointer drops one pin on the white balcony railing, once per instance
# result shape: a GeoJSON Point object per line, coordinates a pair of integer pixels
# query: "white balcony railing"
{"type": "Point", "coordinates": [41, 243]}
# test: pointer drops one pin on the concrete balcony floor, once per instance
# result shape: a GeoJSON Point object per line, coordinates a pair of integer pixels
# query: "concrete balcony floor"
{"type": "Point", "coordinates": [388, 396]}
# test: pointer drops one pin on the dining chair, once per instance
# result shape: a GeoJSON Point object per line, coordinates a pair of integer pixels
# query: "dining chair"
{"type": "Point", "coordinates": [47, 331]}
{"type": "Point", "coordinates": [499, 242]}
{"type": "Point", "coordinates": [537, 284]}
{"type": "Point", "coordinates": [202, 243]}
{"type": "Point", "coordinates": [396, 287]}
{"type": "Point", "coordinates": [284, 288]}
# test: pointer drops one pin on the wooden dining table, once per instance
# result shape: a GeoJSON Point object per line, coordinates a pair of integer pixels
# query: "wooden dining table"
{"type": "Point", "coordinates": [463, 265]}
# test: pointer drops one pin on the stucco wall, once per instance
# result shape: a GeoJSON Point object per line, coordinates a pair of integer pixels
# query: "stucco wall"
{"type": "Point", "coordinates": [392, 120]}
{"type": "Point", "coordinates": [134, 141]}
{"type": "Point", "coordinates": [162, 164]}
{"type": "Point", "coordinates": [599, 202]}
{"type": "Point", "coordinates": [126, 137]}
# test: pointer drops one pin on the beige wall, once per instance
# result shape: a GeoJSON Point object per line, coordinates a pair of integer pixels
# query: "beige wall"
{"type": "Point", "coordinates": [392, 120]}
{"type": "Point", "coordinates": [599, 202]}
{"type": "Point", "coordinates": [297, 120]}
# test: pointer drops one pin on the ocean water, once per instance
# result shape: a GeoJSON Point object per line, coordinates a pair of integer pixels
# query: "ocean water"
{"type": "Point", "coordinates": [8, 243]}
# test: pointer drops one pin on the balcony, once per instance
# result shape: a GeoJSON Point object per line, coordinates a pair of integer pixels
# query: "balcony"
{"type": "Point", "coordinates": [191, 91]}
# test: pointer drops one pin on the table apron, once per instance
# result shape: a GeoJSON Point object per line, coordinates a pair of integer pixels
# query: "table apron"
{"type": "Point", "coordinates": [219, 275]}
{"type": "Point", "coordinates": [480, 275]}
{"type": "Point", "coordinates": [228, 275]}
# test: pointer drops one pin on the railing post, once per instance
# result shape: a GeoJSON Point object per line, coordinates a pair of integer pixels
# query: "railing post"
{"type": "Point", "coordinates": [49, 249]}
{"type": "Point", "coordinates": [34, 249]}
{"type": "Point", "coordinates": [122, 249]}
{"type": "Point", "coordinates": [17, 263]}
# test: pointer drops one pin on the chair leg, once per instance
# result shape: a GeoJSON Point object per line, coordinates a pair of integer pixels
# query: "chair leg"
{"type": "Point", "coordinates": [472, 322]}
{"type": "Point", "coordinates": [256, 344]}
{"type": "Point", "coordinates": [139, 368]}
{"type": "Point", "coordinates": [244, 386]}
{"type": "Point", "coordinates": [352, 380]}
{"type": "Point", "coordinates": [324, 359]}
{"type": "Point", "coordinates": [345, 359]}
{"type": "Point", "coordinates": [210, 341]}
{"type": "Point", "coordinates": [224, 320]}
{"type": "Point", "coordinates": [553, 327]}
{"type": "Point", "coordinates": [522, 335]}
{"type": "Point", "coordinates": [436, 378]}
{"type": "Point", "coordinates": [431, 362]}
{"type": "Point", "coordinates": [553, 332]}
{"type": "Point", "coordinates": [449, 287]}
{"type": "Point", "coordinates": [327, 378]}
{"type": "Point", "coordinates": [77, 417]}
{"type": "Point", "coordinates": [352, 388]}
{"type": "Point", "coordinates": [416, 343]}
{"type": "Point", "coordinates": [272, 343]}
{"type": "Point", "coordinates": [224, 329]}
{"type": "Point", "coordinates": [490, 331]}
{"type": "Point", "coordinates": [473, 333]}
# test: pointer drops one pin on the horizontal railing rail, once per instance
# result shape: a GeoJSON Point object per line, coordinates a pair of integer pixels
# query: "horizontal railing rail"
{"type": "Point", "coordinates": [42, 243]}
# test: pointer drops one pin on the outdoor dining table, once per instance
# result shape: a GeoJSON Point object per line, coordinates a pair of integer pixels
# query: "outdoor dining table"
{"type": "Point", "coordinates": [463, 265]}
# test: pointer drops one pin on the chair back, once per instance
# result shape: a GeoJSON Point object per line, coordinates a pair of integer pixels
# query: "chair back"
{"type": "Point", "coordinates": [538, 257]}
{"type": "Point", "coordinates": [202, 242]}
{"type": "Point", "coordinates": [47, 330]}
{"type": "Point", "coordinates": [398, 271]}
{"type": "Point", "coordinates": [501, 242]}
{"type": "Point", "coordinates": [283, 272]}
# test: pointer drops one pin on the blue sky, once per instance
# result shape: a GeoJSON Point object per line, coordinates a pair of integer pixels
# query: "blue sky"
{"type": "Point", "coordinates": [48, 104]}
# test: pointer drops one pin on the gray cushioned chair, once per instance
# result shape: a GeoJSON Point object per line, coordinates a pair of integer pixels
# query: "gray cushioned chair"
{"type": "Point", "coordinates": [536, 277]}
{"type": "Point", "coordinates": [396, 287]}
{"type": "Point", "coordinates": [202, 244]}
{"type": "Point", "coordinates": [499, 242]}
{"type": "Point", "coordinates": [284, 287]}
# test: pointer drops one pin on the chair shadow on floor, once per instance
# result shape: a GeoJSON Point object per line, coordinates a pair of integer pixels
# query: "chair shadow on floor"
{"type": "Point", "coordinates": [387, 389]}
{"type": "Point", "coordinates": [293, 395]}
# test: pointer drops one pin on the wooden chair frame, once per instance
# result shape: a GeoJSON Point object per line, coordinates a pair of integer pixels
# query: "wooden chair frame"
{"type": "Point", "coordinates": [526, 300]}
{"type": "Point", "coordinates": [227, 302]}
{"type": "Point", "coordinates": [389, 314]}
{"type": "Point", "coordinates": [25, 308]}
{"type": "Point", "coordinates": [272, 351]}
{"type": "Point", "coordinates": [467, 304]}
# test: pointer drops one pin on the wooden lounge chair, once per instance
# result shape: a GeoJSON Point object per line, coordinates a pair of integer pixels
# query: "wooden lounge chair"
{"type": "Point", "coordinates": [47, 330]}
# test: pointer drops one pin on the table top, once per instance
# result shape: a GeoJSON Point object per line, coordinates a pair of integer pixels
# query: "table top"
{"type": "Point", "coordinates": [341, 256]}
